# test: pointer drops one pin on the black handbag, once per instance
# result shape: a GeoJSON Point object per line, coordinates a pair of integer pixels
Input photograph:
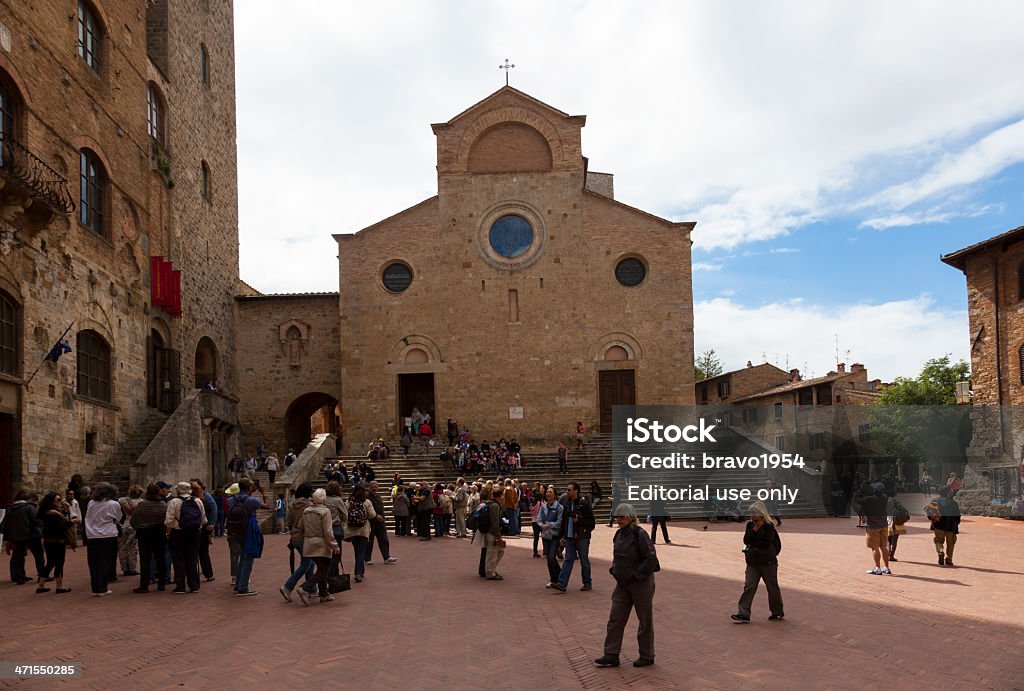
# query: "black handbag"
{"type": "Point", "coordinates": [339, 582]}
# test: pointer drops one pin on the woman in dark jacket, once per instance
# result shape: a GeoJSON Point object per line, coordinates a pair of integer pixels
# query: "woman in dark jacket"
{"type": "Point", "coordinates": [762, 547]}
{"type": "Point", "coordinates": [148, 521]}
{"type": "Point", "coordinates": [55, 541]}
{"type": "Point", "coordinates": [634, 563]}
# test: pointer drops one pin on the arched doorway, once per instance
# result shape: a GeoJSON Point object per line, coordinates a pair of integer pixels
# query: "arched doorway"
{"type": "Point", "coordinates": [206, 362]}
{"type": "Point", "coordinates": [308, 415]}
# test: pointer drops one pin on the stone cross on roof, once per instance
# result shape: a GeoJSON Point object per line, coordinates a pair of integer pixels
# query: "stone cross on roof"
{"type": "Point", "coordinates": [507, 66]}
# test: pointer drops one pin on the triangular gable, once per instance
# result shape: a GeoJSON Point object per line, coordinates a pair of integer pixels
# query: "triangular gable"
{"type": "Point", "coordinates": [480, 105]}
{"type": "Point", "coordinates": [414, 207]}
{"type": "Point", "coordinates": [685, 225]}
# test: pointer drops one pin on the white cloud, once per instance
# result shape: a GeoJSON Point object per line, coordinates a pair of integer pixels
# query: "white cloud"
{"type": "Point", "coordinates": [891, 339]}
{"type": "Point", "coordinates": [899, 220]}
{"type": "Point", "coordinates": [706, 266]}
{"type": "Point", "coordinates": [753, 119]}
{"type": "Point", "coordinates": [978, 161]}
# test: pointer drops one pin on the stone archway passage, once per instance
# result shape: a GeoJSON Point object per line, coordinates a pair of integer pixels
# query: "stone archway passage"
{"type": "Point", "coordinates": [206, 362]}
{"type": "Point", "coordinates": [310, 414]}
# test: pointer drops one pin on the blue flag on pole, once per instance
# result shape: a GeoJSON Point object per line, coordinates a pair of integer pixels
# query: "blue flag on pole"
{"type": "Point", "coordinates": [58, 349]}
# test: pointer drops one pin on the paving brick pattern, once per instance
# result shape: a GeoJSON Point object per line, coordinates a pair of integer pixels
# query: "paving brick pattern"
{"type": "Point", "coordinates": [429, 622]}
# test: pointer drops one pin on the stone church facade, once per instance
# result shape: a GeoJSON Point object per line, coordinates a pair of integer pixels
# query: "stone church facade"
{"type": "Point", "coordinates": [518, 300]}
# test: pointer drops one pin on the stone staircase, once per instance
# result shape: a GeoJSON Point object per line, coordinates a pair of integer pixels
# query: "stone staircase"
{"type": "Point", "coordinates": [592, 462]}
{"type": "Point", "coordinates": [117, 469]}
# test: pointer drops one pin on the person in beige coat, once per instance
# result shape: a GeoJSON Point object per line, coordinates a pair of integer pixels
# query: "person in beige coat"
{"type": "Point", "coordinates": [318, 543]}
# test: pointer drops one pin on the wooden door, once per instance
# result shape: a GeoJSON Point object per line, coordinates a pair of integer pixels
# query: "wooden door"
{"type": "Point", "coordinates": [615, 387]}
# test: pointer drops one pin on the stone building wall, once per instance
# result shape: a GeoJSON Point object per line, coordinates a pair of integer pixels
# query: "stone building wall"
{"type": "Point", "coordinates": [515, 346]}
{"type": "Point", "coordinates": [276, 371]}
{"type": "Point", "coordinates": [63, 272]}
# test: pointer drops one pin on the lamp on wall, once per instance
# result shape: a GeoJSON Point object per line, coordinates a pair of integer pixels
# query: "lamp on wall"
{"type": "Point", "coordinates": [963, 392]}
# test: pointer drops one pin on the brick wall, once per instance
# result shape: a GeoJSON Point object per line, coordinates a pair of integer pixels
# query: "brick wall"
{"type": "Point", "coordinates": [64, 272]}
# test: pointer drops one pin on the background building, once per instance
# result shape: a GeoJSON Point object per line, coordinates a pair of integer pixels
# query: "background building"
{"type": "Point", "coordinates": [119, 224]}
{"type": "Point", "coordinates": [994, 270]}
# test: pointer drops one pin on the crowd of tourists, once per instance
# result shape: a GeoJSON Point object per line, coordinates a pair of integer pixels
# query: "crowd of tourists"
{"type": "Point", "coordinates": [162, 534]}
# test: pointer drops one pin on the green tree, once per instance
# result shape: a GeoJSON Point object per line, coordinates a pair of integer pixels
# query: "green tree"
{"type": "Point", "coordinates": [707, 365]}
{"type": "Point", "coordinates": [916, 419]}
{"type": "Point", "coordinates": [935, 385]}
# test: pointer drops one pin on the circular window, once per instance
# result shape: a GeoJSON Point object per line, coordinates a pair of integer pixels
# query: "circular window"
{"type": "Point", "coordinates": [630, 272]}
{"type": "Point", "coordinates": [396, 277]}
{"type": "Point", "coordinates": [510, 236]}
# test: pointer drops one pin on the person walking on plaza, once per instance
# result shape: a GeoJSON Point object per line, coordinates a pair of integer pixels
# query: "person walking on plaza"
{"type": "Point", "coordinates": [302, 500]}
{"type": "Point", "coordinates": [659, 515]}
{"type": "Point", "coordinates": [536, 504]}
{"type": "Point", "coordinates": [761, 552]}
{"type": "Point", "coordinates": [634, 563]}
{"type": "Point", "coordinates": [378, 528]}
{"type": "Point", "coordinates": [872, 503]}
{"type": "Point", "coordinates": [23, 531]}
{"type": "Point", "coordinates": [102, 518]}
{"type": "Point", "coordinates": [185, 521]}
{"type": "Point", "coordinates": [509, 503]}
{"type": "Point", "coordinates": [944, 514]}
{"type": "Point", "coordinates": [318, 544]}
{"type": "Point", "coordinates": [357, 527]}
{"type": "Point", "coordinates": [577, 525]}
{"type": "Point", "coordinates": [493, 542]}
{"type": "Point", "coordinates": [549, 518]}
{"type": "Point", "coordinates": [241, 512]}
{"type": "Point", "coordinates": [148, 522]}
{"type": "Point", "coordinates": [563, 458]}
{"type": "Point", "coordinates": [424, 502]}
{"type": "Point", "coordinates": [56, 526]}
{"type": "Point", "coordinates": [338, 507]}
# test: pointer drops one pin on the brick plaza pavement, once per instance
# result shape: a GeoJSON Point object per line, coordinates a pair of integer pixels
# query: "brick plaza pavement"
{"type": "Point", "coordinates": [429, 622]}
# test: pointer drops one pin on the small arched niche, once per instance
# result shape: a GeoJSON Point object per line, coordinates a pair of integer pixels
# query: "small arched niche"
{"type": "Point", "coordinates": [417, 356]}
{"type": "Point", "coordinates": [616, 353]}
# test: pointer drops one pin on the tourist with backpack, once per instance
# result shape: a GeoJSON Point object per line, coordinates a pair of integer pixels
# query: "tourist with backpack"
{"type": "Point", "coordinates": [241, 514]}
{"type": "Point", "coordinates": [357, 527]}
{"type": "Point", "coordinates": [577, 525]}
{"type": "Point", "coordinates": [493, 541]}
{"type": "Point", "coordinates": [944, 515]}
{"type": "Point", "coordinates": [185, 517]}
{"type": "Point", "coordinates": [549, 518]}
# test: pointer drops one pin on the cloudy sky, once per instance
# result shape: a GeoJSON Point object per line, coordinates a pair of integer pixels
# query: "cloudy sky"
{"type": "Point", "coordinates": [829, 152]}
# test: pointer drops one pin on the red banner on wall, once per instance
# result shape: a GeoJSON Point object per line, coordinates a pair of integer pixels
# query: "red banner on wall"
{"type": "Point", "coordinates": [165, 285]}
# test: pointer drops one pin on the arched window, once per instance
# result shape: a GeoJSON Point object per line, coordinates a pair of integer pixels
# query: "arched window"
{"type": "Point", "coordinates": [93, 366]}
{"type": "Point", "coordinates": [8, 109]}
{"type": "Point", "coordinates": [8, 335]}
{"type": "Point", "coordinates": [89, 35]}
{"type": "Point", "coordinates": [1020, 282]}
{"type": "Point", "coordinates": [156, 114]}
{"type": "Point", "coordinates": [204, 64]}
{"type": "Point", "coordinates": [93, 191]}
{"type": "Point", "coordinates": [204, 180]}
{"type": "Point", "coordinates": [206, 363]}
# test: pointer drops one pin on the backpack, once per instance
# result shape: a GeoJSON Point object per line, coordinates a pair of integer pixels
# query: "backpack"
{"type": "Point", "coordinates": [933, 512]}
{"type": "Point", "coordinates": [190, 516]}
{"type": "Point", "coordinates": [356, 514]}
{"type": "Point", "coordinates": [480, 520]}
{"type": "Point", "coordinates": [237, 520]}
{"type": "Point", "coordinates": [901, 515]}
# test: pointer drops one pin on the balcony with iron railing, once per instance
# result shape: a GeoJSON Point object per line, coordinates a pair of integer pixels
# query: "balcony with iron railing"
{"type": "Point", "coordinates": [23, 174]}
